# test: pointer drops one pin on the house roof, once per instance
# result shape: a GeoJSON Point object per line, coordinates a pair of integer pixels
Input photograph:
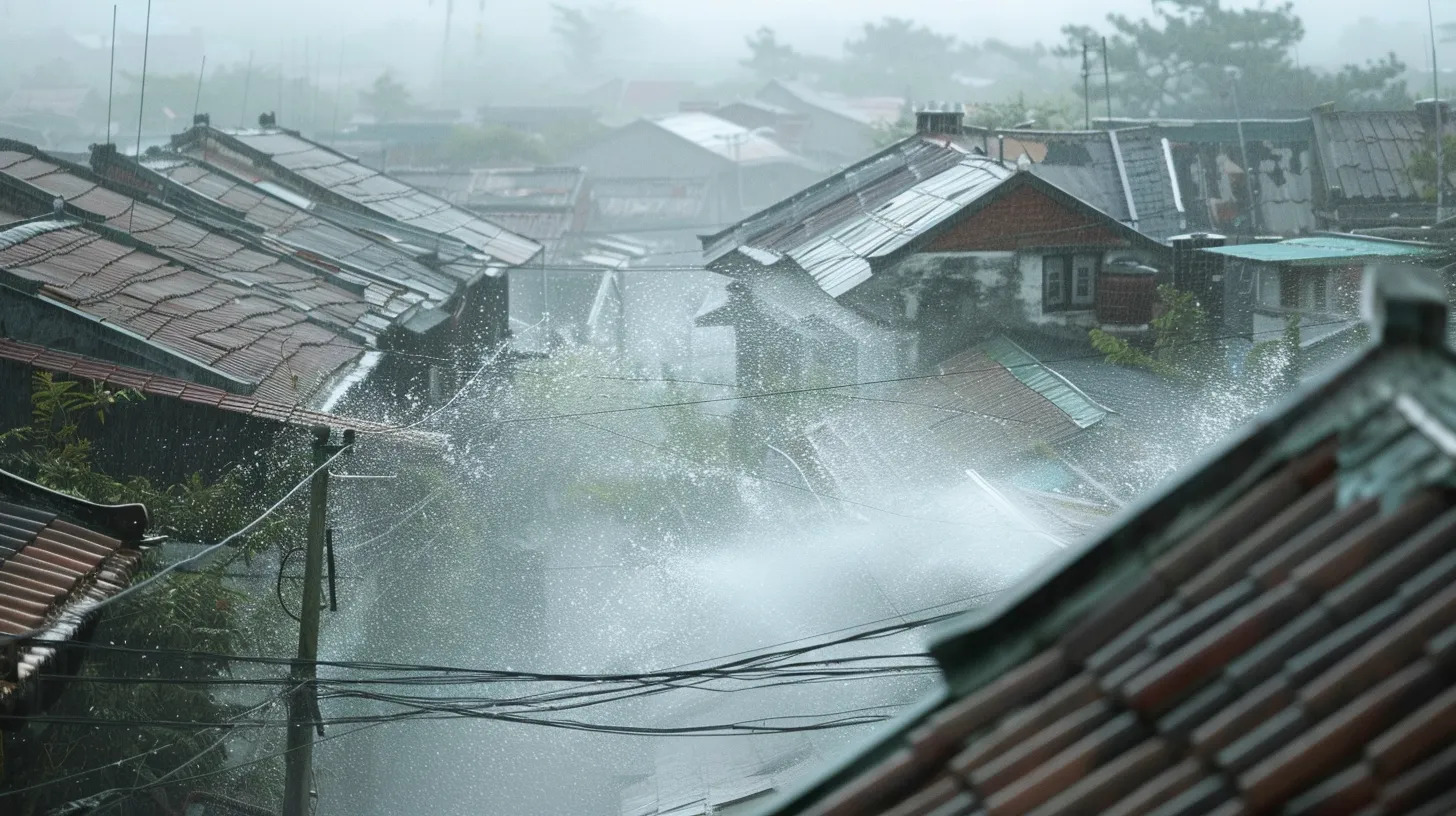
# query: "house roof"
{"type": "Point", "coordinates": [157, 385]}
{"type": "Point", "coordinates": [1127, 174]}
{"type": "Point", "coordinates": [315, 170]}
{"type": "Point", "coordinates": [300, 229]}
{"type": "Point", "coordinates": [362, 307]}
{"type": "Point", "coordinates": [838, 229]}
{"type": "Point", "coordinates": [1369, 154]}
{"type": "Point", "coordinates": [870, 111]}
{"type": "Point", "coordinates": [1321, 250]}
{"type": "Point", "coordinates": [724, 139]}
{"type": "Point", "coordinates": [53, 573]}
{"type": "Point", "coordinates": [1274, 632]}
{"type": "Point", "coordinates": [228, 335]}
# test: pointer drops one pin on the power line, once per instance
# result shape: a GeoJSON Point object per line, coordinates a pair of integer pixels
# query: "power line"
{"type": "Point", "coordinates": [31, 635]}
{"type": "Point", "coordinates": [887, 381]}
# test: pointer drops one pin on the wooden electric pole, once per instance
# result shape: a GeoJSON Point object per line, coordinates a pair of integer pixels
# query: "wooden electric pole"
{"type": "Point", "coordinates": [303, 713]}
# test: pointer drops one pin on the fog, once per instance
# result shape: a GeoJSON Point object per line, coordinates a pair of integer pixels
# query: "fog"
{"type": "Point", "coordinates": [702, 41]}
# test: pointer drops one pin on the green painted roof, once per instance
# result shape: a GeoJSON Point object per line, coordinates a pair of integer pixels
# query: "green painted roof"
{"type": "Point", "coordinates": [1322, 249]}
{"type": "Point", "coordinates": [1082, 409]}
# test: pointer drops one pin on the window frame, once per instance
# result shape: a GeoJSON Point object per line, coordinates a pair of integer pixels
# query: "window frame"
{"type": "Point", "coordinates": [1064, 267]}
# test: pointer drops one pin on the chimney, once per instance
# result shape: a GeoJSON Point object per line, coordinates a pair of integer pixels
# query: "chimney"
{"type": "Point", "coordinates": [1405, 304]}
{"type": "Point", "coordinates": [1426, 109]}
{"type": "Point", "coordinates": [940, 121]}
{"type": "Point", "coordinates": [267, 120]}
{"type": "Point", "coordinates": [202, 119]}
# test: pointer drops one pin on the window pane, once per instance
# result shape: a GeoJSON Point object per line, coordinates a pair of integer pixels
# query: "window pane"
{"type": "Point", "coordinates": [1053, 279]}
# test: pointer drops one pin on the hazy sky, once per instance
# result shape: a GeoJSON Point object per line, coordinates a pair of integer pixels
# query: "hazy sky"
{"type": "Point", "coordinates": [709, 30]}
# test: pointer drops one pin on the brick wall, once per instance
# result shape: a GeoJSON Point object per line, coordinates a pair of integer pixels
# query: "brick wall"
{"type": "Point", "coordinates": [1022, 218]}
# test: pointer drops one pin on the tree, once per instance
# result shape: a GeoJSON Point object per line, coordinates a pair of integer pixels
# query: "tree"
{"type": "Point", "coordinates": [388, 99]}
{"type": "Point", "coordinates": [580, 35]}
{"type": "Point", "coordinates": [1192, 56]}
{"type": "Point", "coordinates": [770, 59]}
{"type": "Point", "coordinates": [483, 147]}
{"type": "Point", "coordinates": [194, 612]}
{"type": "Point", "coordinates": [896, 55]}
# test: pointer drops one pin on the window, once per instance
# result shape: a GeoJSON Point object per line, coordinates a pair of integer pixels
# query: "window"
{"type": "Point", "coordinates": [1069, 281]}
{"type": "Point", "coordinates": [1054, 281]}
{"type": "Point", "coordinates": [1084, 273]}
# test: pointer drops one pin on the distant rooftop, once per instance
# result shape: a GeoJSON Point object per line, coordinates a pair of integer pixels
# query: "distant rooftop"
{"type": "Point", "coordinates": [731, 141]}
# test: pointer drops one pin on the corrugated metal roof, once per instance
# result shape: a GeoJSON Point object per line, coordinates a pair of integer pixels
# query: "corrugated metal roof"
{"type": "Point", "coordinates": [727, 139]}
{"type": "Point", "coordinates": [252, 337]}
{"type": "Point", "coordinates": [313, 164]}
{"type": "Point", "coordinates": [157, 385]}
{"type": "Point", "coordinates": [868, 110]}
{"type": "Point", "coordinates": [295, 226]}
{"type": "Point", "coordinates": [1319, 249]}
{"type": "Point", "coordinates": [1368, 154]}
{"type": "Point", "coordinates": [839, 260]}
{"type": "Point", "coordinates": [355, 303]}
{"type": "Point", "coordinates": [52, 575]}
{"type": "Point", "coordinates": [1058, 390]}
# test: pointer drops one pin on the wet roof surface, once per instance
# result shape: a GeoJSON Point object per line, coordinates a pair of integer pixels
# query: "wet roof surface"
{"type": "Point", "coordinates": [157, 385]}
{"type": "Point", "coordinates": [835, 228]}
{"type": "Point", "coordinates": [385, 196]}
{"type": "Point", "coordinates": [1276, 633]}
{"type": "Point", "coordinates": [249, 335]}
{"type": "Point", "coordinates": [1324, 248]}
{"type": "Point", "coordinates": [192, 242]}
{"type": "Point", "coordinates": [724, 138]}
{"type": "Point", "coordinates": [51, 573]}
{"type": "Point", "coordinates": [299, 228]}
{"type": "Point", "coordinates": [1368, 154]}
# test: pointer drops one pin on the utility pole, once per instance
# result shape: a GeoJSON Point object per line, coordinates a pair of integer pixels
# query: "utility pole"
{"type": "Point", "coordinates": [303, 713]}
{"type": "Point", "coordinates": [1086, 88]}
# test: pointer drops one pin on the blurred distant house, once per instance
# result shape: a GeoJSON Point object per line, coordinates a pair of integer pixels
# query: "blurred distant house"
{"type": "Point", "coordinates": [788, 127]}
{"type": "Point", "coordinates": [743, 169]}
{"type": "Point", "coordinates": [836, 129]}
{"type": "Point", "coordinates": [57, 118]}
{"type": "Point", "coordinates": [618, 101]}
{"type": "Point", "coordinates": [537, 118]}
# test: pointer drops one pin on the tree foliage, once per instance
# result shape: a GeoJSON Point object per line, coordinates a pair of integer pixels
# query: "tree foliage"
{"type": "Point", "coordinates": [770, 59]}
{"type": "Point", "coordinates": [387, 99]}
{"type": "Point", "coordinates": [1186, 59]}
{"type": "Point", "coordinates": [193, 611]}
{"type": "Point", "coordinates": [580, 36]}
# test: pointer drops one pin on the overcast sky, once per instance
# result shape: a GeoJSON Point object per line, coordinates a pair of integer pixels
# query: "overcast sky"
{"type": "Point", "coordinates": [1338, 29]}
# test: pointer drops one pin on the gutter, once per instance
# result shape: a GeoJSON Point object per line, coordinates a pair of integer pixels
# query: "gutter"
{"type": "Point", "coordinates": [1132, 213]}
{"type": "Point", "coordinates": [1177, 189]}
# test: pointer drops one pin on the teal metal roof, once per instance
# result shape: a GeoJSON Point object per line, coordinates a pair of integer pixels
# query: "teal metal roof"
{"type": "Point", "coordinates": [1082, 409]}
{"type": "Point", "coordinates": [1323, 249]}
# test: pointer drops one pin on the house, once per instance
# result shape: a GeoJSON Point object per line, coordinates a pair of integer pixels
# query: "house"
{"type": "Point", "coordinates": [417, 298]}
{"type": "Point", "coordinates": [60, 558]}
{"type": "Point", "coordinates": [1212, 159]}
{"type": "Point", "coordinates": [1128, 173]}
{"type": "Point", "coordinates": [788, 127]}
{"type": "Point", "coordinates": [745, 169]}
{"type": "Point", "coordinates": [197, 420]}
{"type": "Point", "coordinates": [837, 130]}
{"type": "Point", "coordinates": [1368, 164]}
{"type": "Point", "coordinates": [89, 289]}
{"type": "Point", "coordinates": [939, 246]}
{"type": "Point", "coordinates": [63, 118]}
{"type": "Point", "coordinates": [993, 408]}
{"type": "Point", "coordinates": [477, 253]}
{"type": "Point", "coordinates": [1316, 278]}
{"type": "Point", "coordinates": [1272, 632]}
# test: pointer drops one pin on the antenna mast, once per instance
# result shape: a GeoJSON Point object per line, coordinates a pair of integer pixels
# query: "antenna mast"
{"type": "Point", "coordinates": [142, 102]}
{"type": "Point", "coordinates": [111, 75]}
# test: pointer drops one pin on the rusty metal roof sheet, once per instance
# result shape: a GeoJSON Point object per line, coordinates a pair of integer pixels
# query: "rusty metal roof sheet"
{"type": "Point", "coordinates": [1274, 633]}
{"type": "Point", "coordinates": [158, 385]}
{"type": "Point", "coordinates": [268, 344]}
{"type": "Point", "coordinates": [299, 229]}
{"type": "Point", "coordinates": [299, 160]}
{"type": "Point", "coordinates": [839, 257]}
{"type": "Point", "coordinates": [52, 575]}
{"type": "Point", "coordinates": [346, 300]}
